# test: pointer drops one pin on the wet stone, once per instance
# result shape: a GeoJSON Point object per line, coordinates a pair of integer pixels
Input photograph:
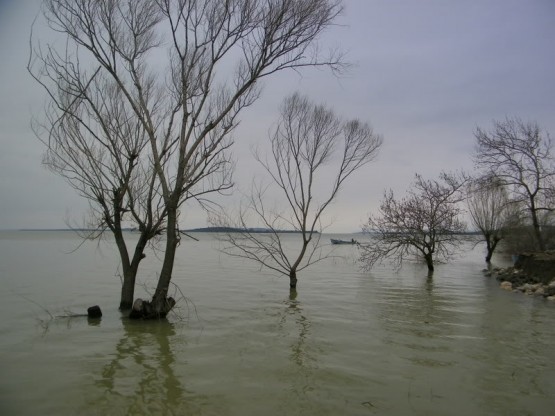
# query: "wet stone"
{"type": "Point", "coordinates": [94, 312]}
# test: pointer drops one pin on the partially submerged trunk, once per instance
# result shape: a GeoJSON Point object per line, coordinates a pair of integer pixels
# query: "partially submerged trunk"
{"type": "Point", "coordinates": [127, 288]}
{"type": "Point", "coordinates": [489, 255]}
{"type": "Point", "coordinates": [489, 247]}
{"type": "Point", "coordinates": [293, 270]}
{"type": "Point", "coordinates": [491, 244]}
{"type": "Point", "coordinates": [160, 303]}
{"type": "Point", "coordinates": [293, 280]}
{"type": "Point", "coordinates": [429, 261]}
{"type": "Point", "coordinates": [129, 267]}
{"type": "Point", "coordinates": [148, 310]}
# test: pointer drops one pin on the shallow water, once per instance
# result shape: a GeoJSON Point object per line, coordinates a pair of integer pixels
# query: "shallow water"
{"type": "Point", "coordinates": [350, 343]}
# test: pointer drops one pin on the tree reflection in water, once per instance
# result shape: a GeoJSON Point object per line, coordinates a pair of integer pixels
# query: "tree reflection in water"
{"type": "Point", "coordinates": [302, 379]}
{"type": "Point", "coordinates": [140, 378]}
{"type": "Point", "coordinates": [299, 350]}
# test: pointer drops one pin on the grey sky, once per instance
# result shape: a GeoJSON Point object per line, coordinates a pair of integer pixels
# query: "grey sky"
{"type": "Point", "coordinates": [426, 74]}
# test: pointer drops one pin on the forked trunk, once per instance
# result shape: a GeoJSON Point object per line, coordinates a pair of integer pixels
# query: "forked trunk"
{"type": "Point", "coordinates": [491, 244]}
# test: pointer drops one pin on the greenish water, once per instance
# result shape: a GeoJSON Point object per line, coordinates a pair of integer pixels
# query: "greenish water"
{"type": "Point", "coordinates": [350, 343]}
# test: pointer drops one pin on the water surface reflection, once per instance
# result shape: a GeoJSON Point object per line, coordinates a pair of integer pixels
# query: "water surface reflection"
{"type": "Point", "coordinates": [140, 376]}
{"type": "Point", "coordinates": [351, 343]}
{"type": "Point", "coordinates": [294, 329]}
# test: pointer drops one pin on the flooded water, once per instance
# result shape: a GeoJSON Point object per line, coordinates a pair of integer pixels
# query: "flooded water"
{"type": "Point", "coordinates": [350, 343]}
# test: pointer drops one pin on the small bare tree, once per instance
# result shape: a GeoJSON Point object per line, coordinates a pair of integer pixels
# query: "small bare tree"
{"type": "Point", "coordinates": [425, 224]}
{"type": "Point", "coordinates": [181, 71]}
{"type": "Point", "coordinates": [519, 154]}
{"type": "Point", "coordinates": [489, 208]}
{"type": "Point", "coordinates": [304, 146]}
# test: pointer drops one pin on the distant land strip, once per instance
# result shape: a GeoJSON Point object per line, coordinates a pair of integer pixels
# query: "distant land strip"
{"type": "Point", "coordinates": [191, 230]}
{"type": "Point", "coordinates": [237, 230]}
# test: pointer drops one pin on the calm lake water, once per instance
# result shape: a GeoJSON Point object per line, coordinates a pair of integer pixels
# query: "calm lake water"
{"type": "Point", "coordinates": [351, 343]}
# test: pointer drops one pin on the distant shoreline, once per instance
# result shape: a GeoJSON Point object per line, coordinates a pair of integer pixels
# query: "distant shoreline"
{"type": "Point", "coordinates": [192, 230]}
{"type": "Point", "coordinates": [236, 230]}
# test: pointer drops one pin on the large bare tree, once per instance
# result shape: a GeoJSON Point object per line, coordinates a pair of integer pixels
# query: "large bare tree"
{"type": "Point", "coordinates": [425, 224]}
{"type": "Point", "coordinates": [180, 72]}
{"type": "Point", "coordinates": [520, 154]}
{"type": "Point", "coordinates": [489, 208]}
{"type": "Point", "coordinates": [313, 152]}
{"type": "Point", "coordinates": [95, 142]}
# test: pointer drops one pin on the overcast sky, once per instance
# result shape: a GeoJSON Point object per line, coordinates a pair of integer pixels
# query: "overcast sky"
{"type": "Point", "coordinates": [426, 74]}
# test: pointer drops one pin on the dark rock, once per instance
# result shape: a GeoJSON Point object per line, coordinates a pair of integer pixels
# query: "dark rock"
{"type": "Point", "coordinates": [94, 312]}
{"type": "Point", "coordinates": [550, 289]}
{"type": "Point", "coordinates": [137, 309]}
{"type": "Point", "coordinates": [539, 291]}
{"type": "Point", "coordinates": [145, 310]}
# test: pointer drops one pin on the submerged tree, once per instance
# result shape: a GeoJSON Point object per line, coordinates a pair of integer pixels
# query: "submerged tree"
{"type": "Point", "coordinates": [95, 143]}
{"type": "Point", "coordinates": [519, 154]}
{"type": "Point", "coordinates": [489, 208]}
{"type": "Point", "coordinates": [425, 224]}
{"type": "Point", "coordinates": [304, 144]}
{"type": "Point", "coordinates": [144, 96]}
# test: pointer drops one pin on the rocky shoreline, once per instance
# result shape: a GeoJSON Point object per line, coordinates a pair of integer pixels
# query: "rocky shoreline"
{"type": "Point", "coordinates": [532, 274]}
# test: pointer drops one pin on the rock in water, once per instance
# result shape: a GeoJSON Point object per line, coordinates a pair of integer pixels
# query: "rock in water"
{"type": "Point", "coordinates": [137, 309]}
{"type": "Point", "coordinates": [145, 310]}
{"type": "Point", "coordinates": [94, 312]}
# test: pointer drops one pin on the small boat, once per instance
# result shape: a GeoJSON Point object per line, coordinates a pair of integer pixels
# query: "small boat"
{"type": "Point", "coordinates": [351, 241]}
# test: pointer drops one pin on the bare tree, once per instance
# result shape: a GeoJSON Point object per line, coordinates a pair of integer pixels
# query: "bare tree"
{"type": "Point", "coordinates": [183, 71]}
{"type": "Point", "coordinates": [425, 224]}
{"type": "Point", "coordinates": [489, 208]}
{"type": "Point", "coordinates": [519, 154]}
{"type": "Point", "coordinates": [304, 147]}
{"type": "Point", "coordinates": [93, 140]}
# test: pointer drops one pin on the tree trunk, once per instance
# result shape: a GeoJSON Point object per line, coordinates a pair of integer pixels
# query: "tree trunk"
{"type": "Point", "coordinates": [489, 255]}
{"type": "Point", "coordinates": [129, 268]}
{"type": "Point", "coordinates": [127, 289]}
{"type": "Point", "coordinates": [160, 302]}
{"type": "Point", "coordinates": [429, 262]}
{"type": "Point", "coordinates": [293, 280]}
{"type": "Point", "coordinates": [293, 270]}
{"type": "Point", "coordinates": [489, 249]}
{"type": "Point", "coordinates": [536, 225]}
{"type": "Point", "coordinates": [128, 286]}
{"type": "Point", "coordinates": [537, 231]}
{"type": "Point", "coordinates": [491, 245]}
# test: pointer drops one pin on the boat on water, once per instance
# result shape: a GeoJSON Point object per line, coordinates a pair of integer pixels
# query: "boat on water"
{"type": "Point", "coordinates": [351, 241]}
